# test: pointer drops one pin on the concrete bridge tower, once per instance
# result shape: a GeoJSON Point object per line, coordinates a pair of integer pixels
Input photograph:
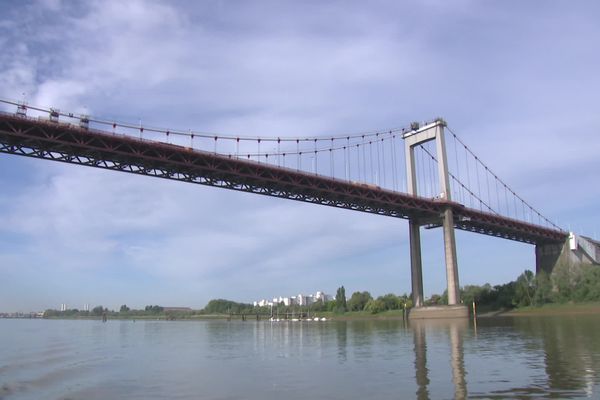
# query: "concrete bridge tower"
{"type": "Point", "coordinates": [420, 135]}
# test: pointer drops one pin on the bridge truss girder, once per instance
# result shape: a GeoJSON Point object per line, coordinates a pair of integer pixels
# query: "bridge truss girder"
{"type": "Point", "coordinates": [71, 144]}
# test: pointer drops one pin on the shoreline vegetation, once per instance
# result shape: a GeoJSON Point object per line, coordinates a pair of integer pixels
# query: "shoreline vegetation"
{"type": "Point", "coordinates": [530, 311]}
{"type": "Point", "coordinates": [555, 309]}
{"type": "Point", "coordinates": [568, 290]}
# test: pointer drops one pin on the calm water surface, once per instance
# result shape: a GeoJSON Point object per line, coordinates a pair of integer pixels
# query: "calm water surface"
{"type": "Point", "coordinates": [536, 357]}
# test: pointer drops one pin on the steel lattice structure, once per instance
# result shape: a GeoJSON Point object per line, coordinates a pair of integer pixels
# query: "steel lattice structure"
{"type": "Point", "coordinates": [55, 141]}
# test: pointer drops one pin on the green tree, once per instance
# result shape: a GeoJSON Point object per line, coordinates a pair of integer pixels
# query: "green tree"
{"type": "Point", "coordinates": [221, 306]}
{"type": "Point", "coordinates": [124, 309]}
{"type": "Point", "coordinates": [375, 306]}
{"type": "Point", "coordinates": [340, 300]}
{"type": "Point", "coordinates": [154, 310]}
{"type": "Point", "coordinates": [97, 311]}
{"type": "Point", "coordinates": [330, 305]}
{"type": "Point", "coordinates": [504, 296]}
{"type": "Point", "coordinates": [444, 297]}
{"type": "Point", "coordinates": [587, 286]}
{"type": "Point", "coordinates": [434, 300]}
{"type": "Point", "coordinates": [358, 301]}
{"type": "Point", "coordinates": [318, 306]}
{"type": "Point", "coordinates": [525, 289]}
{"type": "Point", "coordinates": [51, 313]}
{"type": "Point", "coordinates": [475, 293]}
{"type": "Point", "coordinates": [561, 281]}
{"type": "Point", "coordinates": [543, 289]}
{"type": "Point", "coordinates": [391, 301]}
{"type": "Point", "coordinates": [593, 281]}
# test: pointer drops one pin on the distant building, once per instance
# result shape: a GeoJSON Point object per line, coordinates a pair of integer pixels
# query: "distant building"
{"type": "Point", "coordinates": [262, 303]}
{"type": "Point", "coordinates": [320, 296]}
{"type": "Point", "coordinates": [301, 300]}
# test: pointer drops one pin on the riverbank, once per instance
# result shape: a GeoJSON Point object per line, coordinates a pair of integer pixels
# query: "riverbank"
{"type": "Point", "coordinates": [359, 315]}
{"type": "Point", "coordinates": [193, 317]}
{"type": "Point", "coordinates": [545, 310]}
{"type": "Point", "coordinates": [559, 309]}
{"type": "Point", "coordinates": [554, 309]}
{"type": "Point", "coordinates": [347, 316]}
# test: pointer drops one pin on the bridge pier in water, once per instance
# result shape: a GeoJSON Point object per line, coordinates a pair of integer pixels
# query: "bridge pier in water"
{"type": "Point", "coordinates": [434, 131]}
{"type": "Point", "coordinates": [416, 267]}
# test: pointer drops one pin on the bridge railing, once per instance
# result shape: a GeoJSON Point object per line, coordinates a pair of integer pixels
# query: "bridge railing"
{"type": "Point", "coordinates": [374, 159]}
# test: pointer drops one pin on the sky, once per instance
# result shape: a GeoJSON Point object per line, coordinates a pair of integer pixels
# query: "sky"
{"type": "Point", "coordinates": [518, 81]}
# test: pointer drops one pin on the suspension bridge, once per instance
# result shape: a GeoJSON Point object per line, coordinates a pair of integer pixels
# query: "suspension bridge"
{"type": "Point", "coordinates": [423, 173]}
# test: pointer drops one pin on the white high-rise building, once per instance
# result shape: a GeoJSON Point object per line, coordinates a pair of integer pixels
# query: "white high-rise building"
{"type": "Point", "coordinates": [302, 300]}
{"type": "Point", "coordinates": [322, 297]}
{"type": "Point", "coordinates": [299, 300]}
{"type": "Point", "coordinates": [262, 303]}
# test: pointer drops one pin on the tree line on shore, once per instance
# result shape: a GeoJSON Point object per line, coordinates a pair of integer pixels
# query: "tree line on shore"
{"type": "Point", "coordinates": [98, 311]}
{"type": "Point", "coordinates": [568, 283]}
{"type": "Point", "coordinates": [216, 306]}
{"type": "Point", "coordinates": [579, 283]}
{"type": "Point", "coordinates": [359, 301]}
{"type": "Point", "coordinates": [575, 283]}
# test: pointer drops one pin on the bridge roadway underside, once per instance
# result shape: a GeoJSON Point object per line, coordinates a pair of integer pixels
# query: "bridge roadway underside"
{"type": "Point", "coordinates": [68, 143]}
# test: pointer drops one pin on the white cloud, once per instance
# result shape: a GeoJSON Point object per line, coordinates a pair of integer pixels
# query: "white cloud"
{"type": "Point", "coordinates": [84, 218]}
{"type": "Point", "coordinates": [523, 98]}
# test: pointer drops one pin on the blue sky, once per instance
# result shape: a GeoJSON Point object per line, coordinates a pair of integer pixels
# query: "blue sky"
{"type": "Point", "coordinates": [518, 81]}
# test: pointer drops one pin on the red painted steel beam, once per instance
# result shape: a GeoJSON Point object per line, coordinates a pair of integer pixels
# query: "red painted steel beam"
{"type": "Point", "coordinates": [67, 143]}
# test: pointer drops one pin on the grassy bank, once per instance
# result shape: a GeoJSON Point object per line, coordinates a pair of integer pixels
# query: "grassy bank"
{"type": "Point", "coordinates": [358, 315]}
{"type": "Point", "coordinates": [556, 309]}
{"type": "Point", "coordinates": [162, 317]}
{"type": "Point", "coordinates": [350, 315]}
{"type": "Point", "coordinates": [545, 310]}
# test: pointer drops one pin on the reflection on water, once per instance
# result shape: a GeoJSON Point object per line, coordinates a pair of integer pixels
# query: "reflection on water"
{"type": "Point", "coordinates": [341, 331]}
{"type": "Point", "coordinates": [571, 348]}
{"type": "Point", "coordinates": [458, 360]}
{"type": "Point", "coordinates": [455, 331]}
{"type": "Point", "coordinates": [421, 372]}
{"type": "Point", "coordinates": [505, 358]}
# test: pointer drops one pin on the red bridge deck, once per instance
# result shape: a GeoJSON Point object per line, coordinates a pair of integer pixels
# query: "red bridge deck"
{"type": "Point", "coordinates": [67, 143]}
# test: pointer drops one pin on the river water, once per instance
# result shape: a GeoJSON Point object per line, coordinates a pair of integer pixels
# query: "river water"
{"type": "Point", "coordinates": [524, 357]}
